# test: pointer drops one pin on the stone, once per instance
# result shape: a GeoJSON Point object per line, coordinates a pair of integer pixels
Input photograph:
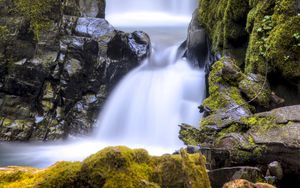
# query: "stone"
{"type": "Point", "coordinates": [275, 169]}
{"type": "Point", "coordinates": [197, 44]}
{"type": "Point", "coordinates": [220, 176]}
{"type": "Point", "coordinates": [93, 27]}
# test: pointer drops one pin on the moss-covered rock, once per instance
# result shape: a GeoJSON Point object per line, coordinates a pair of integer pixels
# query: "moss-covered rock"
{"type": "Point", "coordinates": [274, 38]}
{"type": "Point", "coordinates": [225, 102]}
{"type": "Point", "coordinates": [225, 21]}
{"type": "Point", "coordinates": [257, 89]}
{"type": "Point", "coordinates": [115, 167]}
{"type": "Point", "coordinates": [40, 14]}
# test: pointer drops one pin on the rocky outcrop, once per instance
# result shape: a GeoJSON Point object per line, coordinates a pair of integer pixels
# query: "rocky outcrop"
{"type": "Point", "coordinates": [115, 167]}
{"type": "Point", "coordinates": [55, 83]}
{"type": "Point", "coordinates": [258, 140]}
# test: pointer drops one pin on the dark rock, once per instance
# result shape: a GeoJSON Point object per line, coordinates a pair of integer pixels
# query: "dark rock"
{"type": "Point", "coordinates": [220, 176]}
{"type": "Point", "coordinates": [24, 79]}
{"type": "Point", "coordinates": [197, 44]}
{"type": "Point", "coordinates": [129, 47]}
{"type": "Point", "coordinates": [60, 79]}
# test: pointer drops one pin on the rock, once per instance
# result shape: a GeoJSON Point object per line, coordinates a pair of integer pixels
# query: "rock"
{"type": "Point", "coordinates": [63, 72]}
{"type": "Point", "coordinates": [135, 46]}
{"type": "Point", "coordinates": [219, 177]}
{"type": "Point", "coordinates": [275, 169]}
{"type": "Point", "coordinates": [92, 8]}
{"type": "Point", "coordinates": [197, 44]}
{"type": "Point", "coordinates": [241, 183]}
{"type": "Point", "coordinates": [257, 89]}
{"type": "Point", "coordinates": [93, 27]}
{"type": "Point", "coordinates": [115, 167]}
{"type": "Point", "coordinates": [25, 79]}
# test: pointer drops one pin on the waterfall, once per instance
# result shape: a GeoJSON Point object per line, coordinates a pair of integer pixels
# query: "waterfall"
{"type": "Point", "coordinates": [149, 104]}
{"type": "Point", "coordinates": [151, 101]}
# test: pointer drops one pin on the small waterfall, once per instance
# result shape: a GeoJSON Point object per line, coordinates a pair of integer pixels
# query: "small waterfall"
{"type": "Point", "coordinates": [151, 101]}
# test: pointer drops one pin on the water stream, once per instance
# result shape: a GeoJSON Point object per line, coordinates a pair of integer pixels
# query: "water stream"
{"type": "Point", "coordinates": [147, 106]}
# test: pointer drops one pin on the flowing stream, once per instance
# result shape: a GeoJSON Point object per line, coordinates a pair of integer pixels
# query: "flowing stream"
{"type": "Point", "coordinates": [147, 106]}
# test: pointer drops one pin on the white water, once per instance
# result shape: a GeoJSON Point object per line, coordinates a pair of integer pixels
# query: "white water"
{"type": "Point", "coordinates": [147, 106]}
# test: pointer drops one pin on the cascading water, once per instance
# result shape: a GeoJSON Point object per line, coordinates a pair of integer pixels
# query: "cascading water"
{"type": "Point", "coordinates": [147, 106]}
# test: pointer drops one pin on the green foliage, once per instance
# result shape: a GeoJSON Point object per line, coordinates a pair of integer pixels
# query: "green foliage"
{"type": "Point", "coordinates": [39, 13]}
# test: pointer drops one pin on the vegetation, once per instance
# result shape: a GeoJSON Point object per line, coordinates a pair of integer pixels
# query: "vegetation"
{"type": "Point", "coordinates": [41, 14]}
{"type": "Point", "coordinates": [115, 167]}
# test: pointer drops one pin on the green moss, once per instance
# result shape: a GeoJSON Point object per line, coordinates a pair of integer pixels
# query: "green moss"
{"type": "Point", "coordinates": [41, 14]}
{"type": "Point", "coordinates": [115, 167]}
{"type": "Point", "coordinates": [260, 124]}
{"type": "Point", "coordinates": [191, 135]}
{"type": "Point", "coordinates": [223, 79]}
{"type": "Point", "coordinates": [256, 88]}
{"type": "Point", "coordinates": [4, 34]}
{"type": "Point", "coordinates": [274, 40]}
{"type": "Point", "coordinates": [225, 22]}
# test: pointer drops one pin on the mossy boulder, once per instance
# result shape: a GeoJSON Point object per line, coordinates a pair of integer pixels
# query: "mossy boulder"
{"type": "Point", "coordinates": [115, 167]}
{"type": "Point", "coordinates": [225, 102]}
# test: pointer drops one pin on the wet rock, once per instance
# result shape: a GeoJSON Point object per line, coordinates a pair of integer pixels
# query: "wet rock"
{"type": "Point", "coordinates": [129, 46]}
{"type": "Point", "coordinates": [197, 44]}
{"type": "Point", "coordinates": [24, 79]}
{"type": "Point", "coordinates": [219, 177]}
{"type": "Point", "coordinates": [93, 27]}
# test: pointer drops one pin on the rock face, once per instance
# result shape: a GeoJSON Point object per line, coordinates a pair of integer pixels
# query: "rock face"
{"type": "Point", "coordinates": [54, 81]}
{"type": "Point", "coordinates": [115, 167]}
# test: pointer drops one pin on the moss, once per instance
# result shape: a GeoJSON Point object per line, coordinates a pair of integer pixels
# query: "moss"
{"type": "Point", "coordinates": [256, 89]}
{"type": "Point", "coordinates": [260, 124]}
{"type": "Point", "coordinates": [191, 135]}
{"type": "Point", "coordinates": [4, 34]}
{"type": "Point", "coordinates": [41, 14]}
{"type": "Point", "coordinates": [274, 40]}
{"type": "Point", "coordinates": [187, 171]}
{"type": "Point", "coordinates": [115, 167]}
{"type": "Point", "coordinates": [223, 79]}
{"type": "Point", "coordinates": [225, 21]}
